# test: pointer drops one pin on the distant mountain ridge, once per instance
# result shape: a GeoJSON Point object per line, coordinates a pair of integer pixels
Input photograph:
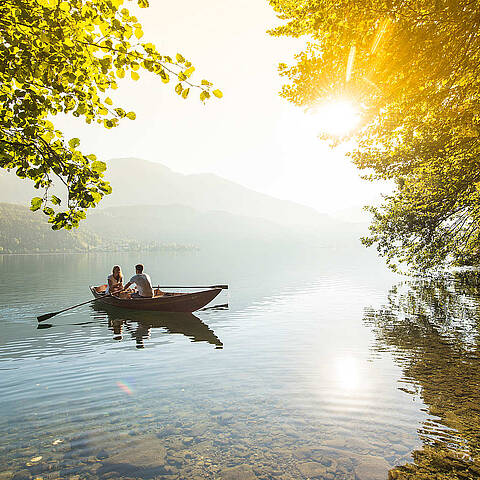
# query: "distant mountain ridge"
{"type": "Point", "coordinates": [156, 184]}
{"type": "Point", "coordinates": [157, 227]}
{"type": "Point", "coordinates": [140, 182]}
{"type": "Point", "coordinates": [152, 205]}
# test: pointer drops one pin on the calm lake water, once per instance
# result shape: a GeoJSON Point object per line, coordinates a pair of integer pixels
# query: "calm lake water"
{"type": "Point", "coordinates": [324, 365]}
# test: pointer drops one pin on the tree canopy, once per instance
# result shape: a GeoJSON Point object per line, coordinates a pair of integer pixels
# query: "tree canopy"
{"type": "Point", "coordinates": [412, 68]}
{"type": "Point", "coordinates": [65, 56]}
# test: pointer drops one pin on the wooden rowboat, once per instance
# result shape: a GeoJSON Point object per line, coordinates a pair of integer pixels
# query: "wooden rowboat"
{"type": "Point", "coordinates": [163, 302]}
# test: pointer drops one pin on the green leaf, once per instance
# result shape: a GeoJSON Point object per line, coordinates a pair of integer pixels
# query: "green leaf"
{"type": "Point", "coordinates": [35, 204]}
{"type": "Point", "coordinates": [74, 143]}
{"type": "Point", "coordinates": [48, 211]}
{"type": "Point", "coordinates": [98, 166]}
{"type": "Point", "coordinates": [55, 200]}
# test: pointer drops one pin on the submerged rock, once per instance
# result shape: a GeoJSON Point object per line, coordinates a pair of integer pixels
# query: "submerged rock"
{"type": "Point", "coordinates": [143, 459]}
{"type": "Point", "coordinates": [22, 475]}
{"type": "Point", "coordinates": [372, 468]}
{"type": "Point", "coordinates": [312, 469]}
{"type": "Point", "coordinates": [240, 472]}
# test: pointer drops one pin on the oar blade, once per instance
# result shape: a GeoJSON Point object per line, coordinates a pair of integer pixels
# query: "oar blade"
{"type": "Point", "coordinates": [46, 316]}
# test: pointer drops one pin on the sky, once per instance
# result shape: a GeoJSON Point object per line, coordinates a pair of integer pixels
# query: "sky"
{"type": "Point", "coordinates": [251, 136]}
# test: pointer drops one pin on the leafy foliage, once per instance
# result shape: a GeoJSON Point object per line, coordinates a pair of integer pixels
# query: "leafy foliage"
{"type": "Point", "coordinates": [413, 68]}
{"type": "Point", "coordinates": [64, 57]}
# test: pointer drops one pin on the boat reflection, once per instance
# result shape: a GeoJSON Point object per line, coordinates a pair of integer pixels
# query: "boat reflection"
{"type": "Point", "coordinates": [432, 329]}
{"type": "Point", "coordinates": [138, 325]}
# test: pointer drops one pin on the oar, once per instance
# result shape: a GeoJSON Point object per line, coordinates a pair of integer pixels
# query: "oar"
{"type": "Point", "coordinates": [223, 287]}
{"type": "Point", "coordinates": [46, 316]}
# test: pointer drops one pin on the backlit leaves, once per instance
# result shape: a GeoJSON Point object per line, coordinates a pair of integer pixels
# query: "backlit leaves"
{"type": "Point", "coordinates": [74, 143]}
{"type": "Point", "coordinates": [36, 204]}
{"type": "Point", "coordinates": [414, 70]}
{"type": "Point", "coordinates": [64, 57]}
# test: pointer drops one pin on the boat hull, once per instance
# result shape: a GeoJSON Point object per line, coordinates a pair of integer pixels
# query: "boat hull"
{"type": "Point", "coordinates": [178, 302]}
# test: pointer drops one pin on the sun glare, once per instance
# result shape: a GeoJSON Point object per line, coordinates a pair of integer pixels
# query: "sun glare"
{"type": "Point", "coordinates": [337, 118]}
{"type": "Point", "coordinates": [346, 373]}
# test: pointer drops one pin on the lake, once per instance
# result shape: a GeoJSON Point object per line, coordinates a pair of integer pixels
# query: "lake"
{"type": "Point", "coordinates": [314, 364]}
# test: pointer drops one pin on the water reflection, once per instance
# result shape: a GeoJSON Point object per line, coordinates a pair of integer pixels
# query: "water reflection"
{"type": "Point", "coordinates": [346, 373]}
{"type": "Point", "coordinates": [432, 329]}
{"type": "Point", "coordinates": [138, 325]}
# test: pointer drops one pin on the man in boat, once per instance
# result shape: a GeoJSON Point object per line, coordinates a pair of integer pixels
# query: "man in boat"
{"type": "Point", "coordinates": [143, 283]}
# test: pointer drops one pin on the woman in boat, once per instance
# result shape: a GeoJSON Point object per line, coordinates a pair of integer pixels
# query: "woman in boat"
{"type": "Point", "coordinates": [114, 281]}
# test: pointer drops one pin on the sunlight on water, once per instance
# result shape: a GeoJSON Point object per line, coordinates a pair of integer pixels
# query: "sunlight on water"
{"type": "Point", "coordinates": [305, 368]}
{"type": "Point", "coordinates": [346, 373]}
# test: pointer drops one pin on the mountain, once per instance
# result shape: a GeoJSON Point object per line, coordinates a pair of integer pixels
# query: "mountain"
{"type": "Point", "coordinates": [172, 227]}
{"type": "Point", "coordinates": [139, 182]}
{"type": "Point", "coordinates": [186, 225]}
{"type": "Point", "coordinates": [151, 206]}
{"type": "Point", "coordinates": [22, 231]}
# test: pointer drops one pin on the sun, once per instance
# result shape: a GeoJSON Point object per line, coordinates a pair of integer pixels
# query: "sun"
{"type": "Point", "coordinates": [337, 117]}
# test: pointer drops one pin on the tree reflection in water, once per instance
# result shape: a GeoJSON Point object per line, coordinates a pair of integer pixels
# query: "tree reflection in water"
{"type": "Point", "coordinates": [432, 329]}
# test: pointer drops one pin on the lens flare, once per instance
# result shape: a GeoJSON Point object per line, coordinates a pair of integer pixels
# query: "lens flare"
{"type": "Point", "coordinates": [125, 388]}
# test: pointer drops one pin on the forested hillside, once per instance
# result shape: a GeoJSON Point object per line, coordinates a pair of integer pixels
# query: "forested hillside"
{"type": "Point", "coordinates": [21, 231]}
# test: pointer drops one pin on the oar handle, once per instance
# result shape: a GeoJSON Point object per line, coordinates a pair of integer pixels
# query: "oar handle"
{"type": "Point", "coordinates": [223, 287]}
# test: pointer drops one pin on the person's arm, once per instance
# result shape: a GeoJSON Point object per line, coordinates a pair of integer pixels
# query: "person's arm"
{"type": "Point", "coordinates": [127, 285]}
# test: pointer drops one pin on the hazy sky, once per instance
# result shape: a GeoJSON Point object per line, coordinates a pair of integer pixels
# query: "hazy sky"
{"type": "Point", "coordinates": [251, 136]}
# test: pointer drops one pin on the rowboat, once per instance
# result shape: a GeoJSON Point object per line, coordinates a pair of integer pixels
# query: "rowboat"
{"type": "Point", "coordinates": [161, 302]}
